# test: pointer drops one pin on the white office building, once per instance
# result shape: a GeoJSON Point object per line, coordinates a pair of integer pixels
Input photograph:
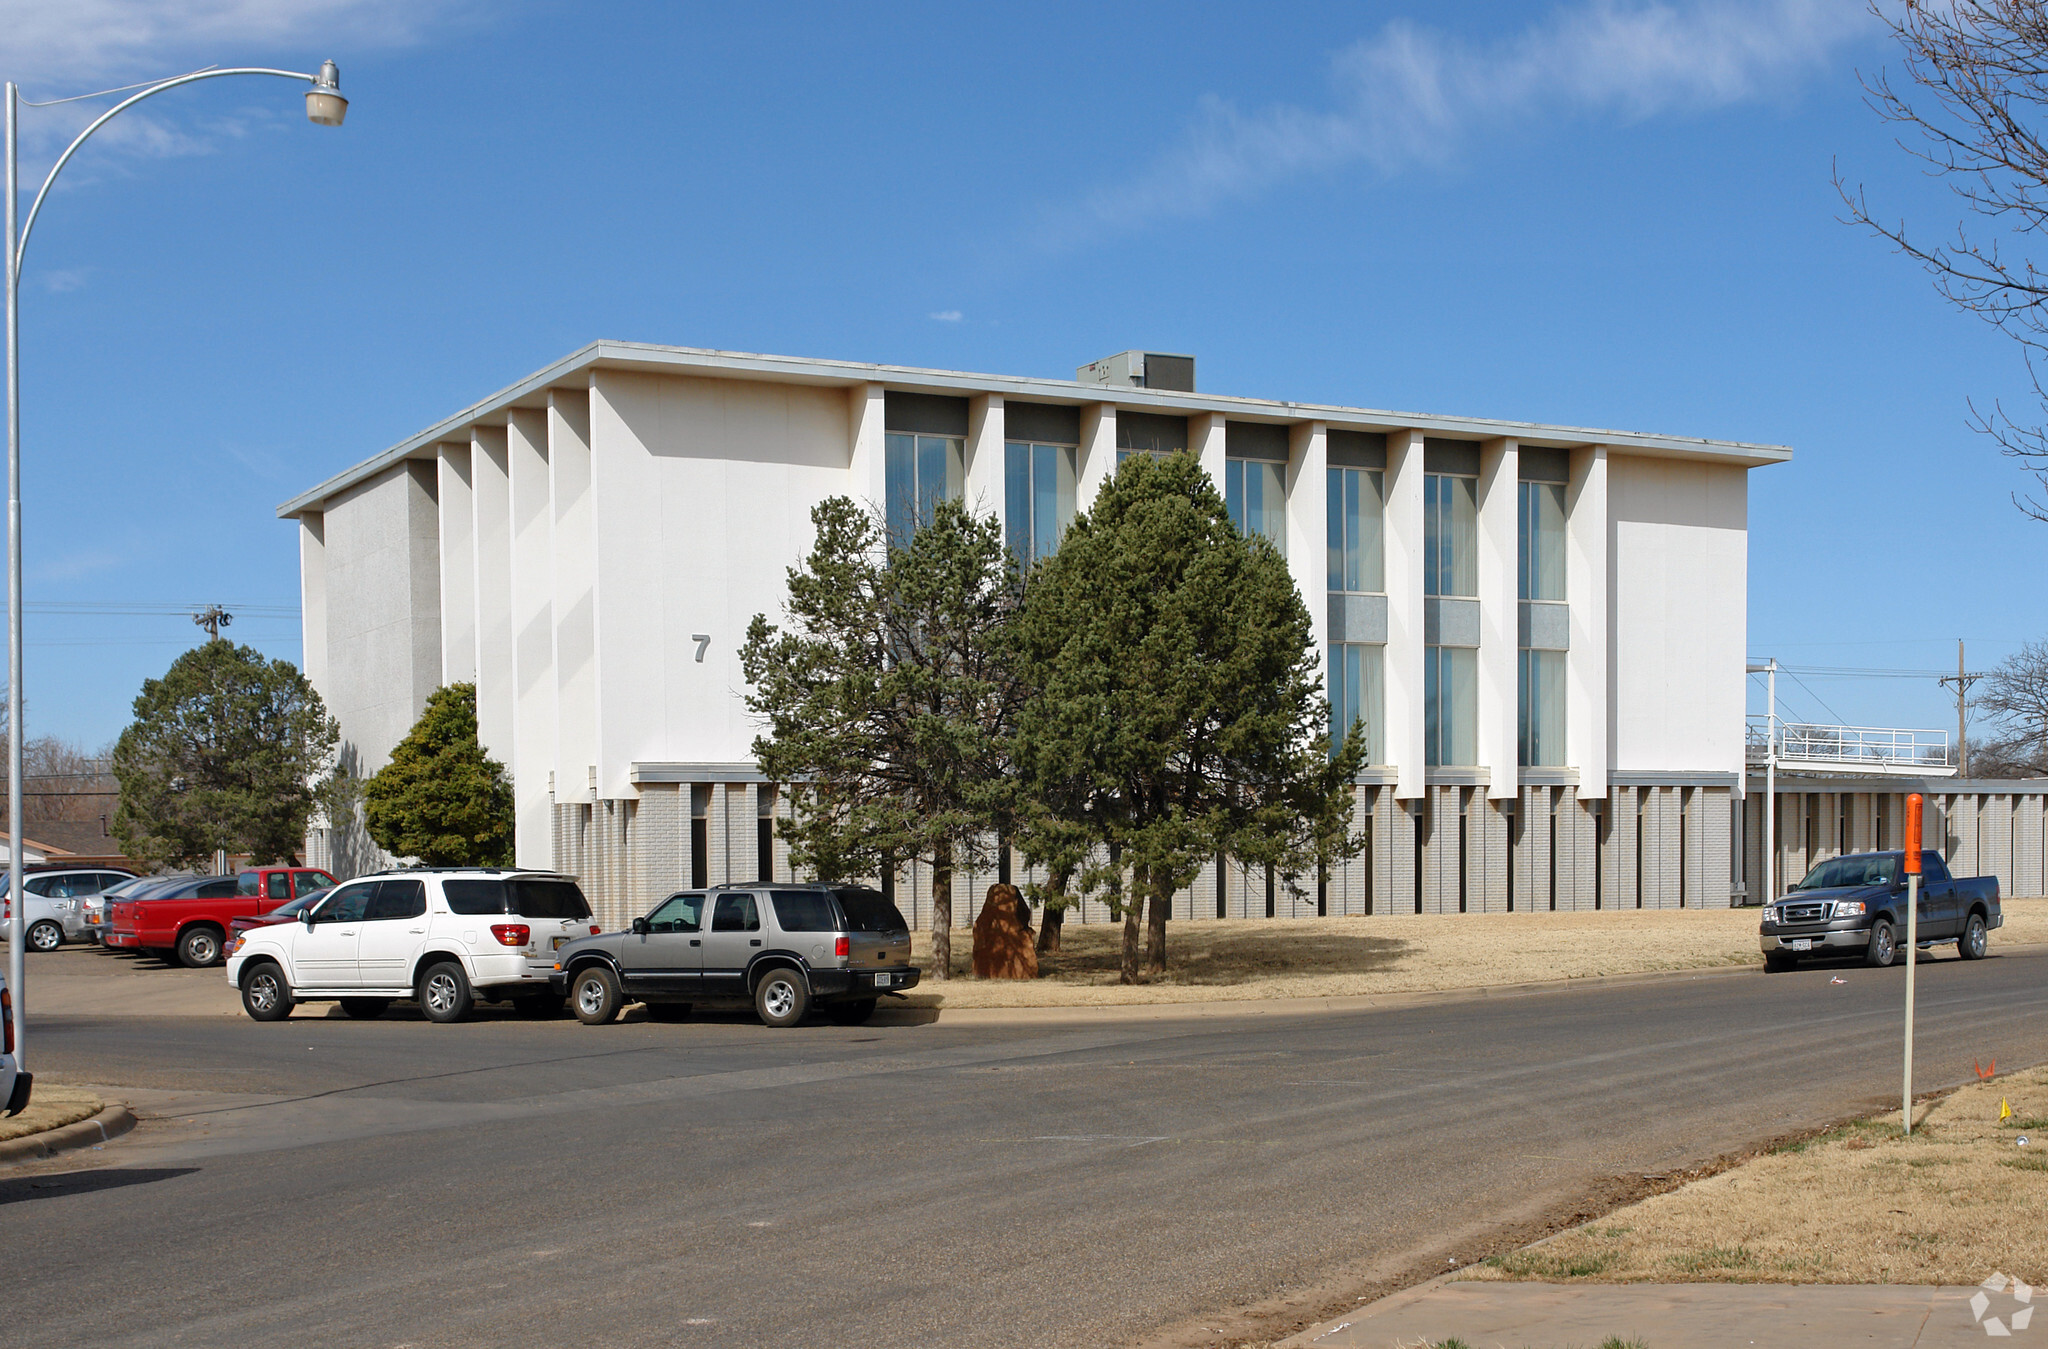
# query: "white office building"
{"type": "Point", "coordinates": [1542, 627]}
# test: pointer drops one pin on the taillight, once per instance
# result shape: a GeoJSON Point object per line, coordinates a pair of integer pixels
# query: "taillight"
{"type": "Point", "coordinates": [595, 929]}
{"type": "Point", "coordinates": [7, 1016]}
{"type": "Point", "coordinates": [843, 946]}
{"type": "Point", "coordinates": [511, 934]}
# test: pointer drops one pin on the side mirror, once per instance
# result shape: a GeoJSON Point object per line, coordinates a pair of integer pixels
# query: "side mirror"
{"type": "Point", "coordinates": [306, 917]}
{"type": "Point", "coordinates": [640, 928]}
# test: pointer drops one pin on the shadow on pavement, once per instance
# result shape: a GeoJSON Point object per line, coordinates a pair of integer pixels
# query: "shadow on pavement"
{"type": "Point", "coordinates": [85, 1182]}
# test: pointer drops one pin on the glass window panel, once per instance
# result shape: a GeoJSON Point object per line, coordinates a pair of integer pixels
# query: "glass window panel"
{"type": "Point", "coordinates": [1450, 694]}
{"type": "Point", "coordinates": [1541, 708]}
{"type": "Point", "coordinates": [1256, 493]}
{"type": "Point", "coordinates": [900, 468]}
{"type": "Point", "coordinates": [1450, 535]}
{"type": "Point", "coordinates": [1541, 550]}
{"type": "Point", "coordinates": [1357, 695]}
{"type": "Point", "coordinates": [1017, 500]}
{"type": "Point", "coordinates": [1233, 491]}
{"type": "Point", "coordinates": [1045, 511]}
{"type": "Point", "coordinates": [1365, 500]}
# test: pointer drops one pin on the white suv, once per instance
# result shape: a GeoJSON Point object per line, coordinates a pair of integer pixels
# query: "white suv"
{"type": "Point", "coordinates": [445, 937]}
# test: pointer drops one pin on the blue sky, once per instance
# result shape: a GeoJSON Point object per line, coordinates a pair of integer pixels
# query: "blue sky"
{"type": "Point", "coordinates": [1604, 214]}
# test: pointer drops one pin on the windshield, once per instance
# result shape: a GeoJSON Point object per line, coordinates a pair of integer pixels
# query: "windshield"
{"type": "Point", "coordinates": [867, 911]}
{"type": "Point", "coordinates": [1841, 872]}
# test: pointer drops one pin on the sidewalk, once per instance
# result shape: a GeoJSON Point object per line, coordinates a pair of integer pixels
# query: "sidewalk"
{"type": "Point", "coordinates": [1673, 1316]}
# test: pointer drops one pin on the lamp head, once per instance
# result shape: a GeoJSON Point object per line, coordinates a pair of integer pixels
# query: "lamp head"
{"type": "Point", "coordinates": [324, 104]}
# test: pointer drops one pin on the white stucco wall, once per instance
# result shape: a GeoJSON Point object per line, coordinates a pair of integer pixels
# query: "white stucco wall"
{"type": "Point", "coordinates": [1678, 575]}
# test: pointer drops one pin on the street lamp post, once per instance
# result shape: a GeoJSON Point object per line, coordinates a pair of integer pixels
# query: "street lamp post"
{"type": "Point", "coordinates": [325, 107]}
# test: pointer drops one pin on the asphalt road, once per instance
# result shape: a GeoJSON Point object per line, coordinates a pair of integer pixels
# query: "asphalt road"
{"type": "Point", "coordinates": [327, 1182]}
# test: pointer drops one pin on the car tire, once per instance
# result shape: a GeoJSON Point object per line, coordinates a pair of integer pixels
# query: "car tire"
{"type": "Point", "coordinates": [594, 995]}
{"type": "Point", "coordinates": [1884, 946]}
{"type": "Point", "coordinates": [365, 1009]}
{"type": "Point", "coordinates": [1976, 938]}
{"type": "Point", "coordinates": [1778, 962]}
{"type": "Point", "coordinates": [444, 994]}
{"type": "Point", "coordinates": [44, 935]}
{"type": "Point", "coordinates": [781, 999]}
{"type": "Point", "coordinates": [854, 1013]}
{"type": "Point", "coordinates": [200, 947]}
{"type": "Point", "coordinates": [266, 993]}
{"type": "Point", "coordinates": [668, 1011]}
{"type": "Point", "coordinates": [537, 1006]}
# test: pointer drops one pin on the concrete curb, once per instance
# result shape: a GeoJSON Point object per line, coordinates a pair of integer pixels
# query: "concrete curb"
{"type": "Point", "coordinates": [109, 1124]}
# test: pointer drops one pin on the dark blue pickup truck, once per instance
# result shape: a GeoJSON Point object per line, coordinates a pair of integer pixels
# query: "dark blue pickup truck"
{"type": "Point", "coordinates": [1855, 905]}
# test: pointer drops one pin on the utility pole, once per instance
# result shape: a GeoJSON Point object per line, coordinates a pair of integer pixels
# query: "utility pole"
{"type": "Point", "coordinates": [1962, 682]}
{"type": "Point", "coordinates": [213, 618]}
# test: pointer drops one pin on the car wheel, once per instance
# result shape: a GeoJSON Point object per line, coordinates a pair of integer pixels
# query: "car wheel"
{"type": "Point", "coordinates": [855, 1013]}
{"type": "Point", "coordinates": [668, 1011]}
{"type": "Point", "coordinates": [594, 995]}
{"type": "Point", "coordinates": [1884, 947]}
{"type": "Point", "coordinates": [537, 1005]}
{"type": "Point", "coordinates": [444, 992]}
{"type": "Point", "coordinates": [1777, 962]}
{"type": "Point", "coordinates": [45, 936]}
{"type": "Point", "coordinates": [266, 996]}
{"type": "Point", "coordinates": [781, 999]}
{"type": "Point", "coordinates": [199, 948]}
{"type": "Point", "coordinates": [1976, 938]}
{"type": "Point", "coordinates": [365, 1009]}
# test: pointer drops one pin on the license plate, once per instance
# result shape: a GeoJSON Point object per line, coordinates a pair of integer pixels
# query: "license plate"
{"type": "Point", "coordinates": [884, 980]}
{"type": "Point", "coordinates": [559, 943]}
{"type": "Point", "coordinates": [1802, 943]}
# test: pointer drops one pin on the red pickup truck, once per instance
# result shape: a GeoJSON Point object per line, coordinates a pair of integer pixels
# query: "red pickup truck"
{"type": "Point", "coordinates": [191, 918]}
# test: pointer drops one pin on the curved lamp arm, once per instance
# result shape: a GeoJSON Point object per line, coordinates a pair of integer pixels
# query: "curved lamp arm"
{"type": "Point", "coordinates": [324, 82]}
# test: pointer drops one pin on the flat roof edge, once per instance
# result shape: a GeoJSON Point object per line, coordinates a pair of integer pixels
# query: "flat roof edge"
{"type": "Point", "coordinates": [705, 361]}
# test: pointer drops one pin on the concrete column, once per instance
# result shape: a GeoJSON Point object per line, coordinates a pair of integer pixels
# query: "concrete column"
{"type": "Point", "coordinates": [573, 559]}
{"type": "Point", "coordinates": [1308, 525]}
{"type": "Point", "coordinates": [1097, 455]}
{"type": "Point", "coordinates": [491, 495]}
{"type": "Point", "coordinates": [1487, 876]}
{"type": "Point", "coordinates": [984, 452]}
{"type": "Point", "coordinates": [533, 634]}
{"type": "Point", "coordinates": [1589, 675]}
{"type": "Point", "coordinates": [458, 561]}
{"type": "Point", "coordinates": [1404, 536]}
{"type": "Point", "coordinates": [867, 464]}
{"type": "Point", "coordinates": [1715, 808]}
{"type": "Point", "coordinates": [313, 598]}
{"type": "Point", "coordinates": [1205, 438]}
{"type": "Point", "coordinates": [1393, 860]}
{"type": "Point", "coordinates": [1994, 842]}
{"type": "Point", "coordinates": [1499, 616]}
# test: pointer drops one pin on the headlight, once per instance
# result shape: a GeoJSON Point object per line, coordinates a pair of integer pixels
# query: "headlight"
{"type": "Point", "coordinates": [1848, 908]}
{"type": "Point", "coordinates": [240, 941]}
{"type": "Point", "coordinates": [1770, 913]}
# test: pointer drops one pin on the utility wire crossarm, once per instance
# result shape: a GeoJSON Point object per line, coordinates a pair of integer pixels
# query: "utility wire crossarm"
{"type": "Point", "coordinates": [325, 107]}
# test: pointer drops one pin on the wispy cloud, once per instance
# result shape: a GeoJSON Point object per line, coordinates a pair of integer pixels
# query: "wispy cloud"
{"type": "Point", "coordinates": [1412, 96]}
{"type": "Point", "coordinates": [947, 316]}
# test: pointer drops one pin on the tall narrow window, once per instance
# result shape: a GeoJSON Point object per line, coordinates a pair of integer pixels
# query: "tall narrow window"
{"type": "Point", "coordinates": [1541, 538]}
{"type": "Point", "coordinates": [1358, 697]}
{"type": "Point", "coordinates": [921, 471]}
{"type": "Point", "coordinates": [1357, 513]}
{"type": "Point", "coordinates": [1256, 492]}
{"type": "Point", "coordinates": [1450, 535]}
{"type": "Point", "coordinates": [1541, 707]}
{"type": "Point", "coordinates": [1450, 705]}
{"type": "Point", "coordinates": [1038, 497]}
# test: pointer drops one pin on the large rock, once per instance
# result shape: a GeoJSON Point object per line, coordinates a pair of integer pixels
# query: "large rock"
{"type": "Point", "coordinates": [1002, 936]}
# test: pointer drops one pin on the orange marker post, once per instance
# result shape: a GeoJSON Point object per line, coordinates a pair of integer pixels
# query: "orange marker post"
{"type": "Point", "coordinates": [1911, 862]}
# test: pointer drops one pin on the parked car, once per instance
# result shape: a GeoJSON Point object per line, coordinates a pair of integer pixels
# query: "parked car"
{"type": "Point", "coordinates": [287, 912]}
{"type": "Point", "coordinates": [1856, 905]}
{"type": "Point", "coordinates": [191, 919]}
{"type": "Point", "coordinates": [15, 1085]}
{"type": "Point", "coordinates": [94, 907]}
{"type": "Point", "coordinates": [445, 937]}
{"type": "Point", "coordinates": [55, 908]}
{"type": "Point", "coordinates": [783, 948]}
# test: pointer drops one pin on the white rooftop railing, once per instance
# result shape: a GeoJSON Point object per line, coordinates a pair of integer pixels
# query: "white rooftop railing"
{"type": "Point", "coordinates": [1874, 748]}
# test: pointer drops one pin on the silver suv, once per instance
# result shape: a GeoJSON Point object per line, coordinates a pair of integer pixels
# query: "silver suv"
{"type": "Point", "coordinates": [784, 948]}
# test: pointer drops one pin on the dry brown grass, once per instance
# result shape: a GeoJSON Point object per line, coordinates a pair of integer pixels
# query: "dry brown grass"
{"type": "Point", "coordinates": [1232, 959]}
{"type": "Point", "coordinates": [1864, 1203]}
{"type": "Point", "coordinates": [51, 1107]}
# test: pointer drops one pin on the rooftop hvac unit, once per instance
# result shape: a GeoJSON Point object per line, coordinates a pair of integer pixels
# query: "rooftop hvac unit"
{"type": "Point", "coordinates": [1141, 370]}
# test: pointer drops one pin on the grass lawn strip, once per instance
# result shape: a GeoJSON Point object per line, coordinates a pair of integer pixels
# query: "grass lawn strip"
{"type": "Point", "coordinates": [1215, 960]}
{"type": "Point", "coordinates": [1863, 1203]}
{"type": "Point", "coordinates": [50, 1107]}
